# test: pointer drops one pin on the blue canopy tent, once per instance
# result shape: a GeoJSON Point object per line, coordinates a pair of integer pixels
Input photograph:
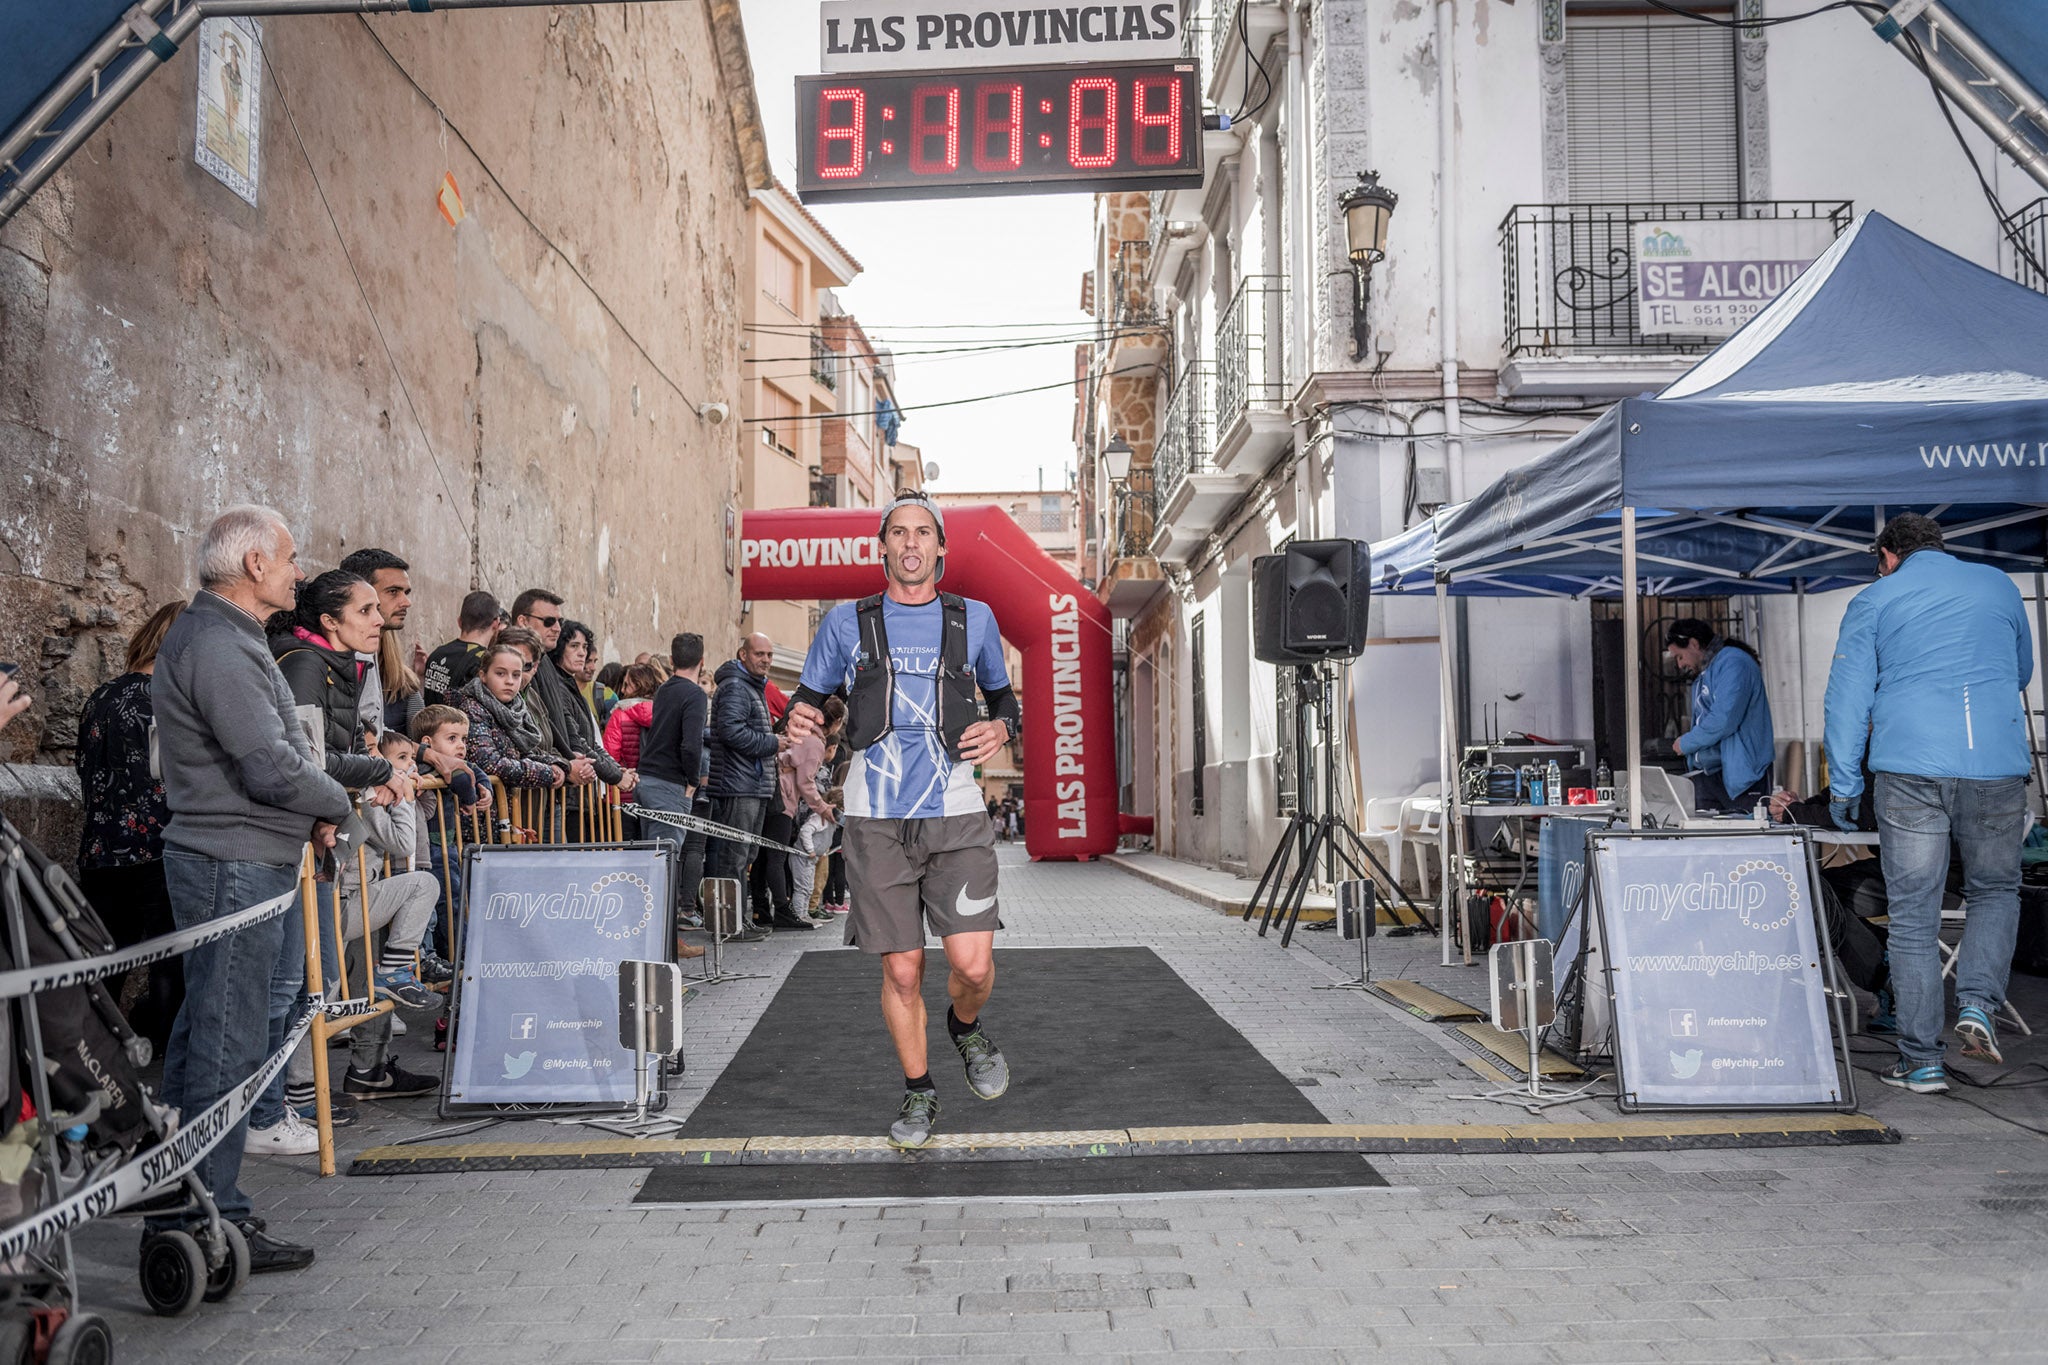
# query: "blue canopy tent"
{"type": "Point", "coordinates": [1892, 376]}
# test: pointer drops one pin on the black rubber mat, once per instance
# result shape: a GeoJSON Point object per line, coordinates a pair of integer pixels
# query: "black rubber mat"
{"type": "Point", "coordinates": [923, 1179]}
{"type": "Point", "coordinates": [1095, 1037]}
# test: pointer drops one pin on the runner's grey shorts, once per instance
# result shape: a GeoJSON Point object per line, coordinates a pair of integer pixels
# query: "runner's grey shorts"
{"type": "Point", "coordinates": [904, 874]}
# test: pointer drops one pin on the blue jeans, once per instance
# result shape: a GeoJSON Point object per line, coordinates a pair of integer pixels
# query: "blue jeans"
{"type": "Point", "coordinates": [287, 989]}
{"type": "Point", "coordinates": [657, 794]}
{"type": "Point", "coordinates": [1916, 817]}
{"type": "Point", "coordinates": [219, 1038]}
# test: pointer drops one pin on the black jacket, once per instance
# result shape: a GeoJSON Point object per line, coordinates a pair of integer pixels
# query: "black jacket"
{"type": "Point", "coordinates": [575, 729]}
{"type": "Point", "coordinates": [673, 747]}
{"type": "Point", "coordinates": [742, 737]}
{"type": "Point", "coordinates": [327, 679]}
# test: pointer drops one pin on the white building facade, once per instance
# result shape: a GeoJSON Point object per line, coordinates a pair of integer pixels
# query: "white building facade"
{"type": "Point", "coordinates": [1265, 398]}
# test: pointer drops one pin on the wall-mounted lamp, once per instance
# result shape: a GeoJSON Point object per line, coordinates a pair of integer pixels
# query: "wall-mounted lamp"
{"type": "Point", "coordinates": [1116, 459]}
{"type": "Point", "coordinates": [1366, 207]}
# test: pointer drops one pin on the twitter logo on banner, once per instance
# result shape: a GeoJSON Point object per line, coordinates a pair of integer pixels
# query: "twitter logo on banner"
{"type": "Point", "coordinates": [1684, 1065]}
{"type": "Point", "coordinates": [515, 1067]}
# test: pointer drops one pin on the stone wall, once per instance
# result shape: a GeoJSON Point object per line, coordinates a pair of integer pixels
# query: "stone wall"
{"type": "Point", "coordinates": [507, 400]}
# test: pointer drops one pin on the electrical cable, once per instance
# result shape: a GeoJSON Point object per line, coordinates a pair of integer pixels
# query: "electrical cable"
{"type": "Point", "coordinates": [947, 403]}
{"type": "Point", "coordinates": [1244, 39]}
{"type": "Point", "coordinates": [390, 357]}
{"type": "Point", "coordinates": [1761, 22]}
{"type": "Point", "coordinates": [526, 217]}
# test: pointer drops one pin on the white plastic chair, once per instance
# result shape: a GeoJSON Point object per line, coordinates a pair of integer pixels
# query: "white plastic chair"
{"type": "Point", "coordinates": [1385, 823]}
{"type": "Point", "coordinates": [1422, 819]}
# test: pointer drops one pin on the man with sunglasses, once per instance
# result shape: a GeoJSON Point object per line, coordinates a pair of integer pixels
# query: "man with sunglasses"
{"type": "Point", "coordinates": [1928, 674]}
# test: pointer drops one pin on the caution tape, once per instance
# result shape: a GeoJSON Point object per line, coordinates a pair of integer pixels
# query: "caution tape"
{"type": "Point", "coordinates": [713, 829]}
{"type": "Point", "coordinates": [160, 1167]}
{"type": "Point", "coordinates": [28, 980]}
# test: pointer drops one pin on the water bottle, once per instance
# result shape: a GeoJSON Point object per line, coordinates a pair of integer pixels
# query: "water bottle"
{"type": "Point", "coordinates": [1535, 785]}
{"type": "Point", "coordinates": [1529, 784]}
{"type": "Point", "coordinates": [1553, 784]}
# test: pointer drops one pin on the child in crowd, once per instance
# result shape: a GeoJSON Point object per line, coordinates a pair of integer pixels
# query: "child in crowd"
{"type": "Point", "coordinates": [454, 819]}
{"type": "Point", "coordinates": [628, 725]}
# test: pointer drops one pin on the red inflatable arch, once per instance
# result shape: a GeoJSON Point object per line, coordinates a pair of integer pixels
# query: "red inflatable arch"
{"type": "Point", "coordinates": [1061, 629]}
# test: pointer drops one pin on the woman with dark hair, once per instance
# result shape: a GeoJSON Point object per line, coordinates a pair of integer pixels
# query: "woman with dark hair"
{"type": "Point", "coordinates": [605, 690]}
{"type": "Point", "coordinates": [319, 645]}
{"type": "Point", "coordinates": [121, 849]}
{"type": "Point", "coordinates": [556, 687]}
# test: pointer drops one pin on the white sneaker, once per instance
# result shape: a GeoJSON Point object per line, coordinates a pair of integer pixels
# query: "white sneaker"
{"type": "Point", "coordinates": [289, 1136]}
{"type": "Point", "coordinates": [398, 1029]}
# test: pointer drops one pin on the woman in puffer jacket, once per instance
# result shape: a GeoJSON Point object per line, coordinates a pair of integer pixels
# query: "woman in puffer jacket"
{"type": "Point", "coordinates": [317, 646]}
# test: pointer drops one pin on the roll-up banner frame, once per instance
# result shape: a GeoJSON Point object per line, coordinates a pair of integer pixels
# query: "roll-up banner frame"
{"type": "Point", "coordinates": [536, 994]}
{"type": "Point", "coordinates": [1723, 984]}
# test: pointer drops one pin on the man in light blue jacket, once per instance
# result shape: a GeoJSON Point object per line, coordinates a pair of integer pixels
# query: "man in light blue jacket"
{"type": "Point", "coordinates": [1730, 743]}
{"type": "Point", "coordinates": [1929, 669]}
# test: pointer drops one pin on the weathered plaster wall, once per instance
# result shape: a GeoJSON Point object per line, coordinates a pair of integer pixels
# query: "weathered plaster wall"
{"type": "Point", "coordinates": [166, 350]}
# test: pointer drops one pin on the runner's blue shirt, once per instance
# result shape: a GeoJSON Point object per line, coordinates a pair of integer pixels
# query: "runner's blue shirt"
{"type": "Point", "coordinates": [908, 775]}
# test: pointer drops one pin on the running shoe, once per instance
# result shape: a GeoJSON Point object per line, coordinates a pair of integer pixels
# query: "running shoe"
{"type": "Point", "coordinates": [1931, 1079]}
{"type": "Point", "coordinates": [289, 1136]}
{"type": "Point", "coordinates": [913, 1126]}
{"type": "Point", "coordinates": [398, 983]}
{"type": "Point", "coordinates": [341, 1111]}
{"type": "Point", "coordinates": [388, 1082]}
{"type": "Point", "coordinates": [988, 1075]}
{"type": "Point", "coordinates": [1978, 1036]}
{"type": "Point", "coordinates": [1885, 1018]}
{"type": "Point", "coordinates": [435, 970]}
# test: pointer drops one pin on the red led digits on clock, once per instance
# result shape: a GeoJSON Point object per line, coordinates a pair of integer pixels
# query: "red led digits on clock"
{"type": "Point", "coordinates": [1080, 123]}
{"type": "Point", "coordinates": [935, 121]}
{"type": "Point", "coordinates": [1148, 94]}
{"type": "Point", "coordinates": [998, 122]}
{"type": "Point", "coordinates": [842, 119]}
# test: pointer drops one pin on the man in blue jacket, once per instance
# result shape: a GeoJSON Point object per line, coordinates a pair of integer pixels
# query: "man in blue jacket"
{"type": "Point", "coordinates": [1928, 671]}
{"type": "Point", "coordinates": [1730, 743]}
{"type": "Point", "coordinates": [743, 746]}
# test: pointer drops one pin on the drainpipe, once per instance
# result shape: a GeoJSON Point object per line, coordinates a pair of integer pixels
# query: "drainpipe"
{"type": "Point", "coordinates": [1447, 248]}
{"type": "Point", "coordinates": [1302, 291]}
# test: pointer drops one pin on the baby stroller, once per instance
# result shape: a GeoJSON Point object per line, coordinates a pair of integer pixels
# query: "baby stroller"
{"type": "Point", "coordinates": [88, 1116]}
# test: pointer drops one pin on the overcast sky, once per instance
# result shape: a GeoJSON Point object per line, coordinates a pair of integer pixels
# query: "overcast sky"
{"type": "Point", "coordinates": [929, 265]}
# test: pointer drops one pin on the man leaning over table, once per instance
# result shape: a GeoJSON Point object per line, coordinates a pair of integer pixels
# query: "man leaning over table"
{"type": "Point", "coordinates": [1928, 670]}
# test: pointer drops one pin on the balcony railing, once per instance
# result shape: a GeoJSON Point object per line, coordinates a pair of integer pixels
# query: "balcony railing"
{"type": "Point", "coordinates": [1569, 276]}
{"type": "Point", "coordinates": [1137, 509]}
{"type": "Point", "coordinates": [824, 362]}
{"type": "Point", "coordinates": [1247, 358]}
{"type": "Point", "coordinates": [2028, 227]}
{"type": "Point", "coordinates": [1187, 434]}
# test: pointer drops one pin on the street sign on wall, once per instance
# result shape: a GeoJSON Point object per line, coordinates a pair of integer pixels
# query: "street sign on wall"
{"type": "Point", "coordinates": [1716, 968]}
{"type": "Point", "coordinates": [1709, 278]}
{"type": "Point", "coordinates": [907, 35]}
{"type": "Point", "coordinates": [1017, 130]}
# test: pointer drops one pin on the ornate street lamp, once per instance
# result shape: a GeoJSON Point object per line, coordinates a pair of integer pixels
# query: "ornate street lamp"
{"type": "Point", "coordinates": [1116, 459]}
{"type": "Point", "coordinates": [1366, 206]}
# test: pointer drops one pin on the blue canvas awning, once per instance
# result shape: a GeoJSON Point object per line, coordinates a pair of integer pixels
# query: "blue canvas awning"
{"type": "Point", "coordinates": [1893, 376]}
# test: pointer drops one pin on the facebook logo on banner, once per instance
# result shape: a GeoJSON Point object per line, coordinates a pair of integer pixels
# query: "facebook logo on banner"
{"type": "Point", "coordinates": [524, 1025]}
{"type": "Point", "coordinates": [1685, 1024]}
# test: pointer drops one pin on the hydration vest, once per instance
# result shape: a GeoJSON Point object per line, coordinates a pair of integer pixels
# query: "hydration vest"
{"type": "Point", "coordinates": [871, 701]}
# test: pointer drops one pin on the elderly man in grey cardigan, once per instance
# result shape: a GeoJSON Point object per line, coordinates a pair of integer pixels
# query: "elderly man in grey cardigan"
{"type": "Point", "coordinates": [245, 796]}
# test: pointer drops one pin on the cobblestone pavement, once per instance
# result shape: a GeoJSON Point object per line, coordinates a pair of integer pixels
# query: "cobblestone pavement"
{"type": "Point", "coordinates": [1928, 1250]}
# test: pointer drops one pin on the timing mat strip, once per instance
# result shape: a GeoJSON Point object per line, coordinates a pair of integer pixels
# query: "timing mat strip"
{"type": "Point", "coordinates": [1630, 1135]}
{"type": "Point", "coordinates": [1512, 1051]}
{"type": "Point", "coordinates": [1424, 1003]}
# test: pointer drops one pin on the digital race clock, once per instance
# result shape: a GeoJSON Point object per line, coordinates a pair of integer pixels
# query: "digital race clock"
{"type": "Point", "coordinates": [1017, 130]}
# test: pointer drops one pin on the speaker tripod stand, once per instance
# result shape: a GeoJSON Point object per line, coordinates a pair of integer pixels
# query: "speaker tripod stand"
{"type": "Point", "coordinates": [1292, 867]}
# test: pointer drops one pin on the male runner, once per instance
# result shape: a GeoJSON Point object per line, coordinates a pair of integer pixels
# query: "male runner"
{"type": "Point", "coordinates": [918, 844]}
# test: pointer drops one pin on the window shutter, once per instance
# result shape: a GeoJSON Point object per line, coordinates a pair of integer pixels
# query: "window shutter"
{"type": "Point", "coordinates": [1650, 110]}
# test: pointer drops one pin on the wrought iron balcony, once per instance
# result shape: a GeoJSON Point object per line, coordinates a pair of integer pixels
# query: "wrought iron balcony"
{"type": "Point", "coordinates": [1136, 509]}
{"type": "Point", "coordinates": [824, 362]}
{"type": "Point", "coordinates": [1247, 350]}
{"type": "Point", "coordinates": [2027, 227]}
{"type": "Point", "coordinates": [1187, 432]}
{"type": "Point", "coordinates": [1131, 294]}
{"type": "Point", "coordinates": [1569, 276]}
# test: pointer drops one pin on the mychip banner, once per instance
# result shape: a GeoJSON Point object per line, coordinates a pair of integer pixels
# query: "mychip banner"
{"type": "Point", "coordinates": [1717, 966]}
{"type": "Point", "coordinates": [537, 982]}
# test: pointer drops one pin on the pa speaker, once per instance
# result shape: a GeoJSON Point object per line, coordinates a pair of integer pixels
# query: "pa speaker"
{"type": "Point", "coordinates": [1309, 601]}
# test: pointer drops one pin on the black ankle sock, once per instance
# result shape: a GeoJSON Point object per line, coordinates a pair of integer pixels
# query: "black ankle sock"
{"type": "Point", "coordinates": [923, 1082]}
{"type": "Point", "coordinates": [957, 1029]}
